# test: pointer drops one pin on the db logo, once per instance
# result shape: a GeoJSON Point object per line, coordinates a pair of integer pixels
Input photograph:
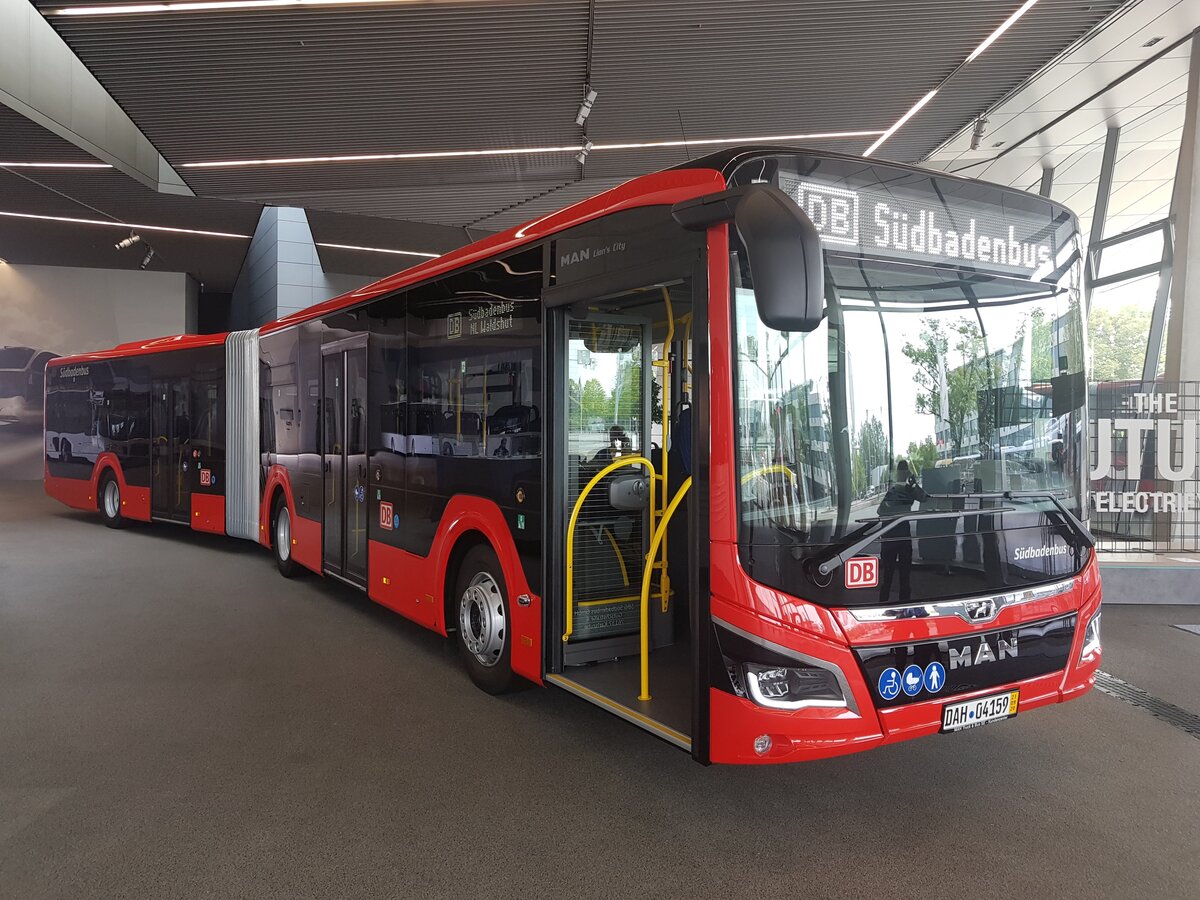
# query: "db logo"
{"type": "Point", "coordinates": [862, 572]}
{"type": "Point", "coordinates": [206, 477]}
{"type": "Point", "coordinates": [386, 516]}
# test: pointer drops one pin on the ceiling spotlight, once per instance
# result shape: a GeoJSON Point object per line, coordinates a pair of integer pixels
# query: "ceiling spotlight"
{"type": "Point", "coordinates": [582, 155]}
{"type": "Point", "coordinates": [128, 242]}
{"type": "Point", "coordinates": [585, 108]}
{"type": "Point", "coordinates": [146, 259]}
{"type": "Point", "coordinates": [977, 134]}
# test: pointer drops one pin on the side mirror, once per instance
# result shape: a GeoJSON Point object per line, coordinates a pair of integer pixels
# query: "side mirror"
{"type": "Point", "coordinates": [783, 246]}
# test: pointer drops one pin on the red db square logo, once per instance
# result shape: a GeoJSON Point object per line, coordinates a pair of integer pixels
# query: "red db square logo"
{"type": "Point", "coordinates": [206, 477]}
{"type": "Point", "coordinates": [386, 516]}
{"type": "Point", "coordinates": [862, 572]}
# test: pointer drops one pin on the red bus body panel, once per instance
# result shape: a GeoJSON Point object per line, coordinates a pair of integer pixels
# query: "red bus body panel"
{"type": "Point", "coordinates": [80, 494]}
{"type": "Point", "coordinates": [415, 586]}
{"type": "Point", "coordinates": [208, 513]}
{"type": "Point", "coordinates": [308, 548]}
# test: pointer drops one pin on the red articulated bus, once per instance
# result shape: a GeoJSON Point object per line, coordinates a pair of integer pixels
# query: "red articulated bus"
{"type": "Point", "coordinates": [776, 455]}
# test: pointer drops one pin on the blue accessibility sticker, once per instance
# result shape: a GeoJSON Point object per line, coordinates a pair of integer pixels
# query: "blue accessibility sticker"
{"type": "Point", "coordinates": [935, 677]}
{"type": "Point", "coordinates": [360, 493]}
{"type": "Point", "coordinates": [889, 684]}
{"type": "Point", "coordinates": [912, 680]}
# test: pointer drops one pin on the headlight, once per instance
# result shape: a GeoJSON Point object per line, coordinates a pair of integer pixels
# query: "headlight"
{"type": "Point", "coordinates": [777, 677]}
{"type": "Point", "coordinates": [1091, 638]}
{"type": "Point", "coordinates": [792, 687]}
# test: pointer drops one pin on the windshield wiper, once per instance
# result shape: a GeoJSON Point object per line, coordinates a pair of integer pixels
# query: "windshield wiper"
{"type": "Point", "coordinates": [1072, 521]}
{"type": "Point", "coordinates": [876, 528]}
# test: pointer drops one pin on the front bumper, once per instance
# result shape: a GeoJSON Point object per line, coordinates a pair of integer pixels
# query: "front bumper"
{"type": "Point", "coordinates": [737, 723]}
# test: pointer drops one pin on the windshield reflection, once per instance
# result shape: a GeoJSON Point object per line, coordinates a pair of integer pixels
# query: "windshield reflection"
{"type": "Point", "coordinates": [974, 382]}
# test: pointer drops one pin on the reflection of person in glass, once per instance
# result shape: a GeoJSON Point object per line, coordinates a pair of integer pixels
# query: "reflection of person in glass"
{"type": "Point", "coordinates": [502, 450]}
{"type": "Point", "coordinates": [897, 543]}
{"type": "Point", "coordinates": [618, 445]}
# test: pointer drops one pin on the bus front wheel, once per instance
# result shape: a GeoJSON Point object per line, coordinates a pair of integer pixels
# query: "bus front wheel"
{"type": "Point", "coordinates": [281, 539]}
{"type": "Point", "coordinates": [484, 636]}
{"type": "Point", "coordinates": [110, 501]}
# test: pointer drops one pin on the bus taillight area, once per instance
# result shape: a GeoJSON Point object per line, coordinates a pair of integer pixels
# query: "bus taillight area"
{"type": "Point", "coordinates": [792, 681]}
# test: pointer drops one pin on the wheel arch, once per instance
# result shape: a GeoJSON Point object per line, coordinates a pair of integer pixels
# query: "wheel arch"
{"type": "Point", "coordinates": [469, 520]}
{"type": "Point", "coordinates": [107, 463]}
{"type": "Point", "coordinates": [278, 483]}
{"type": "Point", "coordinates": [466, 541]}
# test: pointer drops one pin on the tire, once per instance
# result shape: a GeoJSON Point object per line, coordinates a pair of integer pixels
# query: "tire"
{"type": "Point", "coordinates": [109, 501]}
{"type": "Point", "coordinates": [481, 609]}
{"type": "Point", "coordinates": [281, 539]}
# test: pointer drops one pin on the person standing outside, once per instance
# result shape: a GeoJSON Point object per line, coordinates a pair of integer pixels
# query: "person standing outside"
{"type": "Point", "coordinates": [897, 551]}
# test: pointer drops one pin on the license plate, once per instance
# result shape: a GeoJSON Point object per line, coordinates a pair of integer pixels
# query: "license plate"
{"type": "Point", "coordinates": [981, 711]}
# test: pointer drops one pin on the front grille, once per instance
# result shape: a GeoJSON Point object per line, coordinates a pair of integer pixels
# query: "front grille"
{"type": "Point", "coordinates": [968, 662]}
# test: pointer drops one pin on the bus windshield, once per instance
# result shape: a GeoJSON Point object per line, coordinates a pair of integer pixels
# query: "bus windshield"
{"type": "Point", "coordinates": [926, 382]}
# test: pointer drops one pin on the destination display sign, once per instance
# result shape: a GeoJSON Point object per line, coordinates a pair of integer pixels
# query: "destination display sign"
{"type": "Point", "coordinates": [877, 210]}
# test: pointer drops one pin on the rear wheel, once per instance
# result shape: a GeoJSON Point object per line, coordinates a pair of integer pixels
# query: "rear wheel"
{"type": "Point", "coordinates": [281, 539]}
{"type": "Point", "coordinates": [110, 501]}
{"type": "Point", "coordinates": [484, 633]}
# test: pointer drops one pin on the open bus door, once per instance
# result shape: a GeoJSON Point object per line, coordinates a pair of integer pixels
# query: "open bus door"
{"type": "Point", "coordinates": [627, 630]}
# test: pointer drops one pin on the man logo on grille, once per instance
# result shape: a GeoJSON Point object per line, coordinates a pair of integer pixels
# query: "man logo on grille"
{"type": "Point", "coordinates": [981, 610]}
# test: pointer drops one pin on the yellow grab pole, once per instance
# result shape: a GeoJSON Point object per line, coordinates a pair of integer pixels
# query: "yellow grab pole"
{"type": "Point", "coordinates": [664, 583]}
{"type": "Point", "coordinates": [646, 572]}
{"type": "Point", "coordinates": [583, 495]}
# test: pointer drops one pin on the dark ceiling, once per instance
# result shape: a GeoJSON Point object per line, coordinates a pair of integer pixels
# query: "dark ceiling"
{"type": "Point", "coordinates": [488, 74]}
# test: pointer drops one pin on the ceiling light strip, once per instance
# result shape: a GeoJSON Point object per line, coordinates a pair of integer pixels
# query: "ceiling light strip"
{"type": "Point", "coordinates": [378, 250]}
{"type": "Point", "coordinates": [517, 151]}
{"type": "Point", "coordinates": [143, 9]}
{"type": "Point", "coordinates": [53, 165]}
{"type": "Point", "coordinates": [900, 122]}
{"type": "Point", "coordinates": [1008, 23]}
{"type": "Point", "coordinates": [125, 225]}
{"type": "Point", "coordinates": [987, 42]}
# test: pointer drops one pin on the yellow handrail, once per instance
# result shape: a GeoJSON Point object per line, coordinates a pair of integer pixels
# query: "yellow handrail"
{"type": "Point", "coordinates": [664, 583]}
{"type": "Point", "coordinates": [612, 466]}
{"type": "Point", "coordinates": [659, 532]}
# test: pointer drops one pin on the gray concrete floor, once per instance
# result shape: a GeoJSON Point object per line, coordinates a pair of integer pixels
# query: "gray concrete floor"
{"type": "Point", "coordinates": [176, 720]}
